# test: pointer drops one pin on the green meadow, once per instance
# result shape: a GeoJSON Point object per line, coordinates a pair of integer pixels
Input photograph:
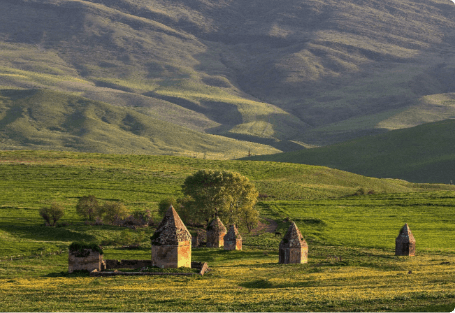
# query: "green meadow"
{"type": "Point", "coordinates": [351, 238]}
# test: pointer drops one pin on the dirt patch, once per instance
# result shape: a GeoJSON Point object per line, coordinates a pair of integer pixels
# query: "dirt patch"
{"type": "Point", "coordinates": [269, 227]}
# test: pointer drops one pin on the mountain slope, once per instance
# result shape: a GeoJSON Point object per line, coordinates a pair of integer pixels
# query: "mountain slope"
{"type": "Point", "coordinates": [422, 153]}
{"type": "Point", "coordinates": [288, 73]}
{"type": "Point", "coordinates": [43, 119]}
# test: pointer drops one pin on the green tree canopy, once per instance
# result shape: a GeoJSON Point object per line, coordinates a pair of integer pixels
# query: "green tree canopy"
{"type": "Point", "coordinates": [228, 194]}
{"type": "Point", "coordinates": [52, 214]}
{"type": "Point", "coordinates": [87, 207]}
{"type": "Point", "coordinates": [113, 212]}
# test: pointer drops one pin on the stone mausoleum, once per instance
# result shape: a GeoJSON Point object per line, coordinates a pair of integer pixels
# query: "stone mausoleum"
{"type": "Point", "coordinates": [293, 247]}
{"type": "Point", "coordinates": [405, 244]}
{"type": "Point", "coordinates": [233, 240]}
{"type": "Point", "coordinates": [215, 233]}
{"type": "Point", "coordinates": [85, 260]}
{"type": "Point", "coordinates": [171, 243]}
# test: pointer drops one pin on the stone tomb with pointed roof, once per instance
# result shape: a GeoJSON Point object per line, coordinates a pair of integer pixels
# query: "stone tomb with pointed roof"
{"type": "Point", "coordinates": [171, 243]}
{"type": "Point", "coordinates": [405, 244]}
{"type": "Point", "coordinates": [215, 233]}
{"type": "Point", "coordinates": [293, 247]}
{"type": "Point", "coordinates": [233, 240]}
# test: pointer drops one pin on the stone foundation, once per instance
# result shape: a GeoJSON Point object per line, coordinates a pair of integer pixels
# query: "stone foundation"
{"type": "Point", "coordinates": [202, 266]}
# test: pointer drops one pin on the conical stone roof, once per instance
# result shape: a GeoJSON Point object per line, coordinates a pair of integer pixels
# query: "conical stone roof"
{"type": "Point", "coordinates": [232, 234]}
{"type": "Point", "coordinates": [293, 238]}
{"type": "Point", "coordinates": [171, 230]}
{"type": "Point", "coordinates": [216, 226]}
{"type": "Point", "coordinates": [405, 235]}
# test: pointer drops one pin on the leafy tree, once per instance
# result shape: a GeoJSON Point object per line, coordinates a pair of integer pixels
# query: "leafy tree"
{"type": "Point", "coordinates": [164, 205]}
{"type": "Point", "coordinates": [87, 207]}
{"type": "Point", "coordinates": [228, 194]}
{"type": "Point", "coordinates": [113, 212]}
{"type": "Point", "coordinates": [52, 214]}
{"type": "Point", "coordinates": [249, 217]}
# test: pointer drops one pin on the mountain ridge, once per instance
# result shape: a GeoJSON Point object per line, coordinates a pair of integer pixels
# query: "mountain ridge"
{"type": "Point", "coordinates": [312, 72]}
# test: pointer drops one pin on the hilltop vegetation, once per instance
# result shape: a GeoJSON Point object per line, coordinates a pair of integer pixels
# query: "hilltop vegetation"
{"type": "Point", "coordinates": [284, 74]}
{"type": "Point", "coordinates": [420, 154]}
{"type": "Point", "coordinates": [351, 239]}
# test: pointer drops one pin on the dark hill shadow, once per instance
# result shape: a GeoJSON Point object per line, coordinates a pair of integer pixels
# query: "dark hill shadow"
{"type": "Point", "coordinates": [283, 145]}
{"type": "Point", "coordinates": [46, 233]}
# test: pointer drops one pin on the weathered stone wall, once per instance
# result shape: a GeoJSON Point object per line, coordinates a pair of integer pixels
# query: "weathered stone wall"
{"type": "Point", "coordinates": [215, 239]}
{"type": "Point", "coordinates": [172, 256]}
{"type": "Point", "coordinates": [405, 248]}
{"type": "Point", "coordinates": [293, 255]}
{"type": "Point", "coordinates": [233, 244]}
{"type": "Point", "coordinates": [87, 260]}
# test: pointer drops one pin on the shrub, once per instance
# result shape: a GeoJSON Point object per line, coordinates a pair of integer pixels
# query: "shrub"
{"type": "Point", "coordinates": [87, 207]}
{"type": "Point", "coordinates": [114, 212]}
{"type": "Point", "coordinates": [164, 205]}
{"type": "Point", "coordinates": [52, 214]}
{"type": "Point", "coordinates": [79, 247]}
{"type": "Point", "coordinates": [363, 191]}
{"type": "Point", "coordinates": [141, 218]}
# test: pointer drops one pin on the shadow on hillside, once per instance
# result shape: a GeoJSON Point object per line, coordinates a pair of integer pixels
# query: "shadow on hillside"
{"type": "Point", "coordinates": [220, 112]}
{"type": "Point", "coordinates": [212, 255]}
{"type": "Point", "coordinates": [69, 275]}
{"type": "Point", "coordinates": [264, 284]}
{"type": "Point", "coordinates": [46, 233]}
{"type": "Point", "coordinates": [283, 145]}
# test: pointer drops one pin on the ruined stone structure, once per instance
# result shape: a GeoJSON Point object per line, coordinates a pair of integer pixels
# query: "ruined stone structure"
{"type": "Point", "coordinates": [171, 243]}
{"type": "Point", "coordinates": [233, 240]}
{"type": "Point", "coordinates": [198, 239]}
{"type": "Point", "coordinates": [85, 260]}
{"type": "Point", "coordinates": [405, 244]}
{"type": "Point", "coordinates": [293, 248]}
{"type": "Point", "coordinates": [215, 233]}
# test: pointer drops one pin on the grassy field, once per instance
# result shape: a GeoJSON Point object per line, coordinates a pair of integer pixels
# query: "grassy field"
{"type": "Point", "coordinates": [351, 239]}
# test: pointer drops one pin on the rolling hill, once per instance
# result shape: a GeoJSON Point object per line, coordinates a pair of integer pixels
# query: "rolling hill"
{"type": "Point", "coordinates": [423, 153]}
{"type": "Point", "coordinates": [44, 119]}
{"type": "Point", "coordinates": [285, 74]}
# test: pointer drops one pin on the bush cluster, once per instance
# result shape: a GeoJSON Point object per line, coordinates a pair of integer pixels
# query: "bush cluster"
{"type": "Point", "coordinates": [52, 214]}
{"type": "Point", "coordinates": [113, 213]}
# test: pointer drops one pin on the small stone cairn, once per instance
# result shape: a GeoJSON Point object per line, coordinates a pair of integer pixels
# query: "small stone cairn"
{"type": "Point", "coordinates": [233, 240]}
{"type": "Point", "coordinates": [171, 243]}
{"type": "Point", "coordinates": [293, 247]}
{"type": "Point", "coordinates": [405, 244]}
{"type": "Point", "coordinates": [215, 233]}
